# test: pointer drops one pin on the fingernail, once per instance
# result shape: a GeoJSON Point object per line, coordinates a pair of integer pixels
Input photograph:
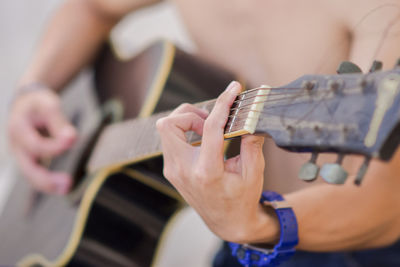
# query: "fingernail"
{"type": "Point", "coordinates": [234, 86]}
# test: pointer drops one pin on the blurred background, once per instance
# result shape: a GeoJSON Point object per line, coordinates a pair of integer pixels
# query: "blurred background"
{"type": "Point", "coordinates": [21, 24]}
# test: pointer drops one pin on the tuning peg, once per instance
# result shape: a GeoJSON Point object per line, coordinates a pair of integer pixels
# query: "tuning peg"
{"type": "Point", "coordinates": [362, 171]}
{"type": "Point", "coordinates": [309, 171]}
{"type": "Point", "coordinates": [348, 67]}
{"type": "Point", "coordinates": [376, 65]}
{"type": "Point", "coordinates": [334, 173]}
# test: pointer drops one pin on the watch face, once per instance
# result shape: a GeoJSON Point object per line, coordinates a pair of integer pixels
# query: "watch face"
{"type": "Point", "coordinates": [249, 255]}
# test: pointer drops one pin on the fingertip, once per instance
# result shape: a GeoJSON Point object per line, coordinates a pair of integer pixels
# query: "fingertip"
{"type": "Point", "coordinates": [233, 85]}
{"type": "Point", "coordinates": [62, 183]}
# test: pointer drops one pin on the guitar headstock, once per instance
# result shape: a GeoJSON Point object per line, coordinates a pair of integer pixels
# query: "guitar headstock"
{"type": "Point", "coordinates": [350, 113]}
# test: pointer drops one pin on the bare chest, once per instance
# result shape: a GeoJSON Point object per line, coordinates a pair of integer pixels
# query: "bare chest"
{"type": "Point", "coordinates": [267, 42]}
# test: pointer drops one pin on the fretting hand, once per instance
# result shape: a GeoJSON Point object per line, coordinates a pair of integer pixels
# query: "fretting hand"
{"type": "Point", "coordinates": [224, 192]}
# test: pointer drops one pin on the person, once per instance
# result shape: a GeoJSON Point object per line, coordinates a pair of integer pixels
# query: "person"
{"type": "Point", "coordinates": [267, 42]}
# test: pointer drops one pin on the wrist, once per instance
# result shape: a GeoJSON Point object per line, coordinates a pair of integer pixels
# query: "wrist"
{"type": "Point", "coordinates": [266, 228]}
{"type": "Point", "coordinates": [31, 86]}
{"type": "Point", "coordinates": [263, 227]}
{"type": "Point", "coordinates": [26, 89]}
{"type": "Point", "coordinates": [261, 252]}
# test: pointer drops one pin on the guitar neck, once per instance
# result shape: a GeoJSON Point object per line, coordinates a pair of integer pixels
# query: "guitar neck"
{"type": "Point", "coordinates": [136, 140]}
{"type": "Point", "coordinates": [133, 140]}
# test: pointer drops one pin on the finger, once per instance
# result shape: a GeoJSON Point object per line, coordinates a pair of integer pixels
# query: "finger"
{"type": "Point", "coordinates": [41, 178]}
{"type": "Point", "coordinates": [212, 147]}
{"type": "Point", "coordinates": [176, 150]}
{"type": "Point", "coordinates": [234, 165]}
{"type": "Point", "coordinates": [174, 127]}
{"type": "Point", "coordinates": [26, 137]}
{"type": "Point", "coordinates": [184, 108]}
{"type": "Point", "coordinates": [252, 158]}
{"type": "Point", "coordinates": [61, 130]}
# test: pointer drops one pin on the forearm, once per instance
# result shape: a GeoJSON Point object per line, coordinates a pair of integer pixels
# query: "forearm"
{"type": "Point", "coordinates": [348, 217]}
{"type": "Point", "coordinates": [70, 42]}
{"type": "Point", "coordinates": [330, 220]}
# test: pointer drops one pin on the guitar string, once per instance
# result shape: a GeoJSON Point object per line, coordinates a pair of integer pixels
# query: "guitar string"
{"type": "Point", "coordinates": [238, 118]}
{"type": "Point", "coordinates": [246, 110]}
{"type": "Point", "coordinates": [283, 99]}
{"type": "Point", "coordinates": [303, 92]}
{"type": "Point", "coordinates": [268, 95]}
{"type": "Point", "coordinates": [379, 47]}
{"type": "Point", "coordinates": [275, 90]}
{"type": "Point", "coordinates": [276, 100]}
{"type": "Point", "coordinates": [244, 116]}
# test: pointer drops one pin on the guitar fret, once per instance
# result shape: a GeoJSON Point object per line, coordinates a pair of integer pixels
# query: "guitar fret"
{"type": "Point", "coordinates": [139, 139]}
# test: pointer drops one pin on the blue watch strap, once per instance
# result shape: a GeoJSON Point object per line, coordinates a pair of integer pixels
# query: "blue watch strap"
{"type": "Point", "coordinates": [249, 255]}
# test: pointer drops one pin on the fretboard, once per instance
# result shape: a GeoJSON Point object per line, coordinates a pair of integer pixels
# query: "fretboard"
{"type": "Point", "coordinates": [133, 140]}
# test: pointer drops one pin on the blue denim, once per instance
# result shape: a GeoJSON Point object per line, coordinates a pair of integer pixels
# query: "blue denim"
{"type": "Point", "coordinates": [383, 257]}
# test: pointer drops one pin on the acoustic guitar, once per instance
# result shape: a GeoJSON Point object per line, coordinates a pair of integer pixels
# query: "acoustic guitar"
{"type": "Point", "coordinates": [121, 205]}
{"type": "Point", "coordinates": [123, 214]}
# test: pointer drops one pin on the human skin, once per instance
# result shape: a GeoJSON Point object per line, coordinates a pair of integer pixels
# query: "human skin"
{"type": "Point", "coordinates": [267, 42]}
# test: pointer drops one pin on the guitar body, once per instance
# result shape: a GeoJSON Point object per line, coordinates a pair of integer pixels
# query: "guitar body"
{"type": "Point", "coordinates": [117, 216]}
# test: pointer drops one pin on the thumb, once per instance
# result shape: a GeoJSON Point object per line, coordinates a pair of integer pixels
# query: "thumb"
{"type": "Point", "coordinates": [252, 157]}
{"type": "Point", "coordinates": [61, 130]}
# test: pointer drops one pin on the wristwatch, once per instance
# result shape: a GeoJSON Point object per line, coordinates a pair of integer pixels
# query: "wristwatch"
{"type": "Point", "coordinates": [263, 256]}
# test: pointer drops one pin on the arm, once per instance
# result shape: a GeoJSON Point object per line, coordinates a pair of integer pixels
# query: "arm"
{"type": "Point", "coordinates": [225, 193]}
{"type": "Point", "coordinates": [72, 39]}
{"type": "Point", "coordinates": [351, 217]}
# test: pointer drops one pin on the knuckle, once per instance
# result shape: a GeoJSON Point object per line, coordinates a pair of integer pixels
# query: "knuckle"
{"type": "Point", "coordinates": [169, 173]}
{"type": "Point", "coordinates": [48, 100]}
{"type": "Point", "coordinates": [52, 106]}
{"type": "Point", "coordinates": [162, 124]}
{"type": "Point", "coordinates": [174, 173]}
{"type": "Point", "coordinates": [185, 107]}
{"type": "Point", "coordinates": [192, 116]}
{"type": "Point", "coordinates": [201, 174]}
